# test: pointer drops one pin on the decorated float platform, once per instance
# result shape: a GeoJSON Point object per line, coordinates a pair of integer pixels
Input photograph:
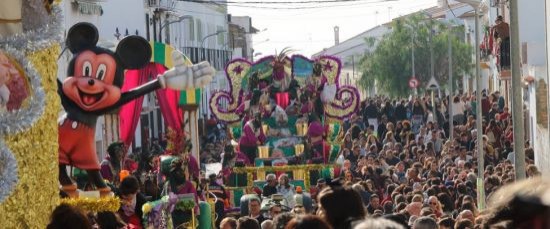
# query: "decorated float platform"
{"type": "Point", "coordinates": [286, 80]}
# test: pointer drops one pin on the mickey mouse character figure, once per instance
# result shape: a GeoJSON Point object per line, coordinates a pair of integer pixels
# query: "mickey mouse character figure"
{"type": "Point", "coordinates": [93, 88]}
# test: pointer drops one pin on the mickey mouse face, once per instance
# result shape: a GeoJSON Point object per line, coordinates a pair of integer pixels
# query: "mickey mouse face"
{"type": "Point", "coordinates": [91, 87]}
{"type": "Point", "coordinates": [95, 75]}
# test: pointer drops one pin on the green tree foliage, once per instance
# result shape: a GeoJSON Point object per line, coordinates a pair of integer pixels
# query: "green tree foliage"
{"type": "Point", "coordinates": [390, 63]}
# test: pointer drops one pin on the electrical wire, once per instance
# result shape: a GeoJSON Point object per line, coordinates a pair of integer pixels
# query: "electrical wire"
{"type": "Point", "coordinates": [271, 17]}
{"type": "Point", "coordinates": [275, 2]}
{"type": "Point", "coordinates": [304, 7]}
{"type": "Point", "coordinates": [450, 8]}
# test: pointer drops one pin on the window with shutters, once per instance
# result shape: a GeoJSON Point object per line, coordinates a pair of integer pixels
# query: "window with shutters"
{"type": "Point", "coordinates": [191, 23]}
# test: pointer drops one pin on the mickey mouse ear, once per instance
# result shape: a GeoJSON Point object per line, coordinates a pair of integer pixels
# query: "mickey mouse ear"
{"type": "Point", "coordinates": [134, 51]}
{"type": "Point", "coordinates": [81, 36]}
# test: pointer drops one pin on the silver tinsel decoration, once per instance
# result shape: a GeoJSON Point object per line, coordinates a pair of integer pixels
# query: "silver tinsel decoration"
{"type": "Point", "coordinates": [14, 121]}
{"type": "Point", "coordinates": [8, 171]}
{"type": "Point", "coordinates": [35, 38]}
{"type": "Point", "coordinates": [40, 31]}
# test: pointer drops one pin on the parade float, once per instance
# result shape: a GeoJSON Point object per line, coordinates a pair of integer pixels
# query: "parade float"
{"type": "Point", "coordinates": [307, 90]}
{"type": "Point", "coordinates": [34, 147]}
{"type": "Point", "coordinates": [30, 35]}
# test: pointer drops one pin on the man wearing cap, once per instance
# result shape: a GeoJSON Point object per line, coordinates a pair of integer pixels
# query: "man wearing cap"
{"type": "Point", "coordinates": [502, 33]}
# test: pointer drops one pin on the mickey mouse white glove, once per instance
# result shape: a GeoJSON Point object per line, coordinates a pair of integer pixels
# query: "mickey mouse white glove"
{"type": "Point", "coordinates": [182, 77]}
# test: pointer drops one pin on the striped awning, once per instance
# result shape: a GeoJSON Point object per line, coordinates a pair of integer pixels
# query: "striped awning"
{"type": "Point", "coordinates": [190, 97]}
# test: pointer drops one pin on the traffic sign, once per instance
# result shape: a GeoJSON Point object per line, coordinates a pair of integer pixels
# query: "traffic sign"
{"type": "Point", "coordinates": [413, 82]}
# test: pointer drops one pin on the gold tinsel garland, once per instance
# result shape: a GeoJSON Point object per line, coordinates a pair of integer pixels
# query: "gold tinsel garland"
{"type": "Point", "coordinates": [111, 204]}
{"type": "Point", "coordinates": [240, 170]}
{"type": "Point", "coordinates": [35, 149]}
{"type": "Point", "coordinates": [306, 168]}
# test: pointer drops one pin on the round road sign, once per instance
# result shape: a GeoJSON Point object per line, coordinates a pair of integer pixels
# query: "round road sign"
{"type": "Point", "coordinates": [413, 82]}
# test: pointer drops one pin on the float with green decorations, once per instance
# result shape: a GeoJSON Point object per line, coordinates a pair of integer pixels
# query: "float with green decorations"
{"type": "Point", "coordinates": [304, 88]}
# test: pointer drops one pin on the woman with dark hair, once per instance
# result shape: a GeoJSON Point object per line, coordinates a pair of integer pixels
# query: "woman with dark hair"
{"type": "Point", "coordinates": [339, 206]}
{"type": "Point", "coordinates": [252, 136]}
{"type": "Point", "coordinates": [109, 220]}
{"type": "Point", "coordinates": [307, 222]}
{"type": "Point", "coordinates": [132, 201]}
{"type": "Point", "coordinates": [67, 216]}
{"type": "Point", "coordinates": [446, 202]}
{"type": "Point", "coordinates": [348, 142]}
{"type": "Point", "coordinates": [494, 133]}
{"type": "Point", "coordinates": [286, 189]}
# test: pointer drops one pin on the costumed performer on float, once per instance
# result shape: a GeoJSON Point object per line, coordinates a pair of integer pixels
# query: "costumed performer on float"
{"type": "Point", "coordinates": [317, 145]}
{"type": "Point", "coordinates": [93, 87]}
{"type": "Point", "coordinates": [110, 166]}
{"type": "Point", "coordinates": [252, 137]}
{"type": "Point", "coordinates": [178, 183]}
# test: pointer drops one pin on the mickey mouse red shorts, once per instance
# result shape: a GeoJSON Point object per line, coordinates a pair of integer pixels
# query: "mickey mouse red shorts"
{"type": "Point", "coordinates": [76, 145]}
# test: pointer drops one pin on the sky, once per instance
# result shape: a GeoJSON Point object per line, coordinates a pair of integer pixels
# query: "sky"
{"type": "Point", "coordinates": [310, 29]}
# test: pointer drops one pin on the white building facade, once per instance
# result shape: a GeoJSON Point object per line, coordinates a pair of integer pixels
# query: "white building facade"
{"type": "Point", "coordinates": [350, 52]}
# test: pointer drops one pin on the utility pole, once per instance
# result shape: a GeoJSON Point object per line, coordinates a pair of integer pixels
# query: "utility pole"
{"type": "Point", "coordinates": [479, 120]}
{"type": "Point", "coordinates": [517, 104]}
{"type": "Point", "coordinates": [432, 67]}
{"type": "Point", "coordinates": [451, 124]}
{"type": "Point", "coordinates": [432, 70]}
{"type": "Point", "coordinates": [413, 67]}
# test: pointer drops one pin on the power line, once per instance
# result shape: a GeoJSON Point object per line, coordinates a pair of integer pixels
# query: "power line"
{"type": "Point", "coordinates": [271, 17]}
{"type": "Point", "coordinates": [305, 7]}
{"type": "Point", "coordinates": [274, 2]}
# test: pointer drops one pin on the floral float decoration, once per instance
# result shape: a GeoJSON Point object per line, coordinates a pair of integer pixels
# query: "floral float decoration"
{"type": "Point", "coordinates": [157, 214]}
{"type": "Point", "coordinates": [276, 74]}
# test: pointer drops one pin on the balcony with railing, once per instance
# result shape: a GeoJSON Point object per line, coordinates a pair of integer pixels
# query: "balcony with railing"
{"type": "Point", "coordinates": [163, 5]}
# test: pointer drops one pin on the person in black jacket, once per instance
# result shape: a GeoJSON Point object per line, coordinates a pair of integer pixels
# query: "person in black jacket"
{"type": "Point", "coordinates": [372, 113]}
{"type": "Point", "coordinates": [270, 187]}
{"type": "Point", "coordinates": [401, 111]}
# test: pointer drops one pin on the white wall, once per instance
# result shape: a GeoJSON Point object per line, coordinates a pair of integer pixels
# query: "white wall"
{"type": "Point", "coordinates": [542, 157]}
{"type": "Point", "coordinates": [531, 23]}
{"type": "Point", "coordinates": [209, 18]}
{"type": "Point", "coordinates": [245, 22]}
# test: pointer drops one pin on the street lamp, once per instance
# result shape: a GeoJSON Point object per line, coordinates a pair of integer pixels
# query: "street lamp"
{"type": "Point", "coordinates": [203, 51]}
{"type": "Point", "coordinates": [180, 19]}
{"type": "Point", "coordinates": [255, 55]}
{"type": "Point", "coordinates": [207, 36]}
{"type": "Point", "coordinates": [433, 83]}
{"type": "Point", "coordinates": [261, 42]}
{"type": "Point", "coordinates": [480, 154]}
{"type": "Point", "coordinates": [253, 33]}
